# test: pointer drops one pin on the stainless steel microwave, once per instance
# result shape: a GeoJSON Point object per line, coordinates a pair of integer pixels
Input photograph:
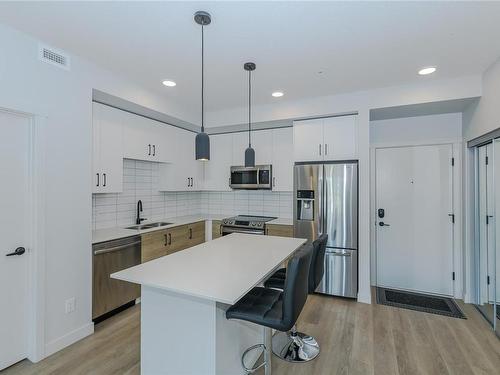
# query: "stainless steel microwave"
{"type": "Point", "coordinates": [258, 177]}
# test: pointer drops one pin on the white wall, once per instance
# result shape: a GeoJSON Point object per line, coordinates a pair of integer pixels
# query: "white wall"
{"type": "Point", "coordinates": [64, 97]}
{"type": "Point", "coordinates": [484, 116]}
{"type": "Point", "coordinates": [432, 129]}
{"type": "Point", "coordinates": [421, 129]}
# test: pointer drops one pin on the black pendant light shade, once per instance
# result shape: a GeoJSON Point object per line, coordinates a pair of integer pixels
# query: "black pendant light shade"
{"type": "Point", "coordinates": [249, 152]}
{"type": "Point", "coordinates": [202, 141]}
{"type": "Point", "coordinates": [202, 146]}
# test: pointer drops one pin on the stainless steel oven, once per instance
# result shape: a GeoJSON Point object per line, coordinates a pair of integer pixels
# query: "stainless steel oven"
{"type": "Point", "coordinates": [245, 224]}
{"type": "Point", "coordinates": [258, 177]}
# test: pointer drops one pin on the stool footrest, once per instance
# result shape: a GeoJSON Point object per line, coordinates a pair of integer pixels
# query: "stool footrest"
{"type": "Point", "coordinates": [253, 369]}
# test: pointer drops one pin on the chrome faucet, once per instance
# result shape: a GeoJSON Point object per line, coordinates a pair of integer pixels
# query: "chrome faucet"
{"type": "Point", "coordinates": [139, 210]}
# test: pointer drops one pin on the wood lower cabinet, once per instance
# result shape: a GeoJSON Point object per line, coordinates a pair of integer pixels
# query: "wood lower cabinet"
{"type": "Point", "coordinates": [216, 229]}
{"type": "Point", "coordinates": [168, 241]}
{"type": "Point", "coordinates": [279, 230]}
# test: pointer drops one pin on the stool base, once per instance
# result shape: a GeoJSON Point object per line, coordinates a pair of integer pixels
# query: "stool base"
{"type": "Point", "coordinates": [295, 346]}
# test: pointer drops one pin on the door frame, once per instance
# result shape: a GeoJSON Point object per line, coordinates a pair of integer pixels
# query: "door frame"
{"type": "Point", "coordinates": [456, 182]}
{"type": "Point", "coordinates": [35, 350]}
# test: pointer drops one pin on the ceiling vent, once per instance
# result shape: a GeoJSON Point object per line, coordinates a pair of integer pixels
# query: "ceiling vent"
{"type": "Point", "coordinates": [53, 56]}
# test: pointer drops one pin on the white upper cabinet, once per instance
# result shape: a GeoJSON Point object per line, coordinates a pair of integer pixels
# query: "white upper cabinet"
{"type": "Point", "coordinates": [144, 139]}
{"type": "Point", "coordinates": [308, 140]}
{"type": "Point", "coordinates": [282, 161]}
{"type": "Point", "coordinates": [262, 143]}
{"type": "Point", "coordinates": [217, 168]}
{"type": "Point", "coordinates": [240, 144]}
{"type": "Point", "coordinates": [331, 138]}
{"type": "Point", "coordinates": [184, 172]}
{"type": "Point", "coordinates": [107, 158]}
{"type": "Point", "coordinates": [340, 138]}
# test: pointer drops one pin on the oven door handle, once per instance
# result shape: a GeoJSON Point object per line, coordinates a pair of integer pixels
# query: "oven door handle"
{"type": "Point", "coordinates": [258, 177]}
{"type": "Point", "coordinates": [240, 230]}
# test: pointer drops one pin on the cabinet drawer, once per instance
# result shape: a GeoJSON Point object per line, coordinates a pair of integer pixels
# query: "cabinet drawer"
{"type": "Point", "coordinates": [279, 230]}
{"type": "Point", "coordinates": [154, 245]}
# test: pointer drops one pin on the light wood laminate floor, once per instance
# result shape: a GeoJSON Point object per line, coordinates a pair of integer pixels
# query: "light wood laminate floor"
{"type": "Point", "coordinates": [355, 338]}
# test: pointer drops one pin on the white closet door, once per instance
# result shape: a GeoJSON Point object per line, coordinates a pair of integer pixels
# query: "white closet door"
{"type": "Point", "coordinates": [415, 246]}
{"type": "Point", "coordinates": [496, 192]}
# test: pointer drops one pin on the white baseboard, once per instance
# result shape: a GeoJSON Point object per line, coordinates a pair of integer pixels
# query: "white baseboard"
{"type": "Point", "coordinates": [68, 339]}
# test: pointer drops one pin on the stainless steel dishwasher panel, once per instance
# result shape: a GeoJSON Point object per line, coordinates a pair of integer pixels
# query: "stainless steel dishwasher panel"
{"type": "Point", "coordinates": [109, 257]}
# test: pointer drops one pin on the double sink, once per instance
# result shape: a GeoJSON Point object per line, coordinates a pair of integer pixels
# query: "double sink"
{"type": "Point", "coordinates": [149, 225]}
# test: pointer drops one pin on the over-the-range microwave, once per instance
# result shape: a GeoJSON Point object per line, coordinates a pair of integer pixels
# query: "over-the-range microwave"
{"type": "Point", "coordinates": [258, 177]}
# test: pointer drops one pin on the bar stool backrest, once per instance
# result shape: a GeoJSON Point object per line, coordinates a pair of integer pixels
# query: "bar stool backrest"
{"type": "Point", "coordinates": [318, 262]}
{"type": "Point", "coordinates": [296, 285]}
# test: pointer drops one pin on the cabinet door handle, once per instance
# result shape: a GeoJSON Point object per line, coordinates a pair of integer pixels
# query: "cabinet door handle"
{"type": "Point", "coordinates": [274, 181]}
{"type": "Point", "coordinates": [166, 241]}
{"type": "Point", "coordinates": [188, 182]}
{"type": "Point", "coordinates": [326, 149]}
{"type": "Point", "coordinates": [320, 149]}
{"type": "Point", "coordinates": [192, 181]}
{"type": "Point", "coordinates": [97, 179]}
{"type": "Point", "coordinates": [190, 233]}
{"type": "Point", "coordinates": [170, 238]}
{"type": "Point", "coordinates": [154, 150]}
{"type": "Point", "coordinates": [149, 152]}
{"type": "Point", "coordinates": [104, 176]}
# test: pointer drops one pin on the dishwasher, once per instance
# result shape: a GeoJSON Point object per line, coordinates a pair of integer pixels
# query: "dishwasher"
{"type": "Point", "coordinates": [109, 257]}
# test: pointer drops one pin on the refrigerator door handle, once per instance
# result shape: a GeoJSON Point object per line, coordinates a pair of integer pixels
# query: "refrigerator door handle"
{"type": "Point", "coordinates": [321, 211]}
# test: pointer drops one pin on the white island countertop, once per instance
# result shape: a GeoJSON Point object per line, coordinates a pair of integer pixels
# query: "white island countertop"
{"type": "Point", "coordinates": [221, 270]}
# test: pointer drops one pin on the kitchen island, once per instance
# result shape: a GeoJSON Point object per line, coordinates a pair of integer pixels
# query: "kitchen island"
{"type": "Point", "coordinates": [184, 298]}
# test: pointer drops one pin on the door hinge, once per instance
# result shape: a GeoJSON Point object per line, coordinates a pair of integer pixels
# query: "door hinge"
{"type": "Point", "coordinates": [453, 276]}
{"type": "Point", "coordinates": [452, 162]}
{"type": "Point", "coordinates": [486, 160]}
{"type": "Point", "coordinates": [488, 280]}
{"type": "Point", "coordinates": [452, 218]}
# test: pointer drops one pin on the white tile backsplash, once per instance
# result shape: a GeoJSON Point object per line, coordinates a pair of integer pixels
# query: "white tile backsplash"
{"type": "Point", "coordinates": [140, 181]}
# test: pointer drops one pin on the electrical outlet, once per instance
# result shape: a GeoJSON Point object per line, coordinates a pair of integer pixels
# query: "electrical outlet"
{"type": "Point", "coordinates": [70, 305]}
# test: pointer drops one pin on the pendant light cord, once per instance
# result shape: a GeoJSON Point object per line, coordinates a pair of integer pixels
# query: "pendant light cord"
{"type": "Point", "coordinates": [249, 106]}
{"type": "Point", "coordinates": [202, 82]}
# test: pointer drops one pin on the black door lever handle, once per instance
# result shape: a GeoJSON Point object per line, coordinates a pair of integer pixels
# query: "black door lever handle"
{"type": "Point", "coordinates": [18, 251]}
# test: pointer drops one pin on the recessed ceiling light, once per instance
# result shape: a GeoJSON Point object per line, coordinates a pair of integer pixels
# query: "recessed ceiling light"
{"type": "Point", "coordinates": [277, 94]}
{"type": "Point", "coordinates": [428, 70]}
{"type": "Point", "coordinates": [169, 83]}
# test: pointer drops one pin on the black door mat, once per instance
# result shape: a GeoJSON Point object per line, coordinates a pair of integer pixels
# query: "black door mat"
{"type": "Point", "coordinates": [419, 302]}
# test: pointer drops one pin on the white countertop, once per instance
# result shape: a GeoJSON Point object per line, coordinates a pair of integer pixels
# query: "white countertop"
{"type": "Point", "coordinates": [108, 234]}
{"type": "Point", "coordinates": [222, 270]}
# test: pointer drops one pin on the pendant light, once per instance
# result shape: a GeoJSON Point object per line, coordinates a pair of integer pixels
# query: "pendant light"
{"type": "Point", "coordinates": [202, 141]}
{"type": "Point", "coordinates": [249, 152]}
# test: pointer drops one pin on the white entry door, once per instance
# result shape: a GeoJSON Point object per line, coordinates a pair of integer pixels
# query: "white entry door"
{"type": "Point", "coordinates": [415, 234]}
{"type": "Point", "coordinates": [14, 234]}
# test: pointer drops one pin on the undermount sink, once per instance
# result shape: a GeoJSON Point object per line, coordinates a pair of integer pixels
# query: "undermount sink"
{"type": "Point", "coordinates": [149, 225]}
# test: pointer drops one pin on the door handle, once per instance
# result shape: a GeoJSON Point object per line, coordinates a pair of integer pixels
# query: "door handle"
{"type": "Point", "coordinates": [154, 150]}
{"type": "Point", "coordinates": [149, 152]}
{"type": "Point", "coordinates": [97, 179]}
{"type": "Point", "coordinates": [104, 176]}
{"type": "Point", "coordinates": [320, 149]}
{"type": "Point", "coordinates": [326, 148]}
{"type": "Point", "coordinates": [18, 251]}
{"type": "Point", "coordinates": [274, 181]}
{"type": "Point", "coordinates": [170, 238]}
{"type": "Point", "coordinates": [190, 233]}
{"type": "Point", "coordinates": [382, 224]}
{"type": "Point", "coordinates": [188, 181]}
{"type": "Point", "coordinates": [166, 240]}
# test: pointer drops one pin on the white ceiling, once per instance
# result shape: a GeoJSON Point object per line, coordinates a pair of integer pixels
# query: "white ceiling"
{"type": "Point", "coordinates": [355, 45]}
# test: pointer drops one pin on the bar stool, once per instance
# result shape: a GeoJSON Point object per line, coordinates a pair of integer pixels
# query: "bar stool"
{"type": "Point", "coordinates": [296, 346]}
{"type": "Point", "coordinates": [275, 309]}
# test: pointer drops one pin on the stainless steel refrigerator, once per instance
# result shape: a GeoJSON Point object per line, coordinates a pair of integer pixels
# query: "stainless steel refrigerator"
{"type": "Point", "coordinates": [326, 201]}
